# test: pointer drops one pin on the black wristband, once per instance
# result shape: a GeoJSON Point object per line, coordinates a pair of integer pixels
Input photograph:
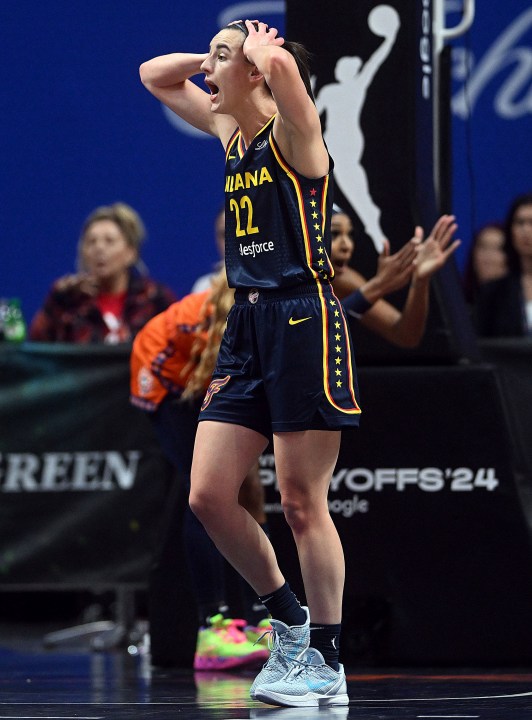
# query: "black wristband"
{"type": "Point", "coordinates": [356, 304]}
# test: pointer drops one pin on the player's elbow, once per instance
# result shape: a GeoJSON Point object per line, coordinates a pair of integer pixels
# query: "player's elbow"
{"type": "Point", "coordinates": [144, 73]}
{"type": "Point", "coordinates": [147, 77]}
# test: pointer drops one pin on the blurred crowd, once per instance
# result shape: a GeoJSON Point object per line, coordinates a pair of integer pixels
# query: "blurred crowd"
{"type": "Point", "coordinates": [110, 296]}
{"type": "Point", "coordinates": [498, 276]}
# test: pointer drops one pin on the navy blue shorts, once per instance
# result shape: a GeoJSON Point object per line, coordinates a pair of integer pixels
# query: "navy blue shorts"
{"type": "Point", "coordinates": [285, 363]}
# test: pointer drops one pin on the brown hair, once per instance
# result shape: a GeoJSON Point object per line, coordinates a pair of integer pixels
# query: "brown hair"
{"type": "Point", "coordinates": [514, 259]}
{"type": "Point", "coordinates": [300, 54]}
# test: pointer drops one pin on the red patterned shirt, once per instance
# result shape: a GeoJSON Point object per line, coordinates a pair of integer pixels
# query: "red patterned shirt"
{"type": "Point", "coordinates": [73, 316]}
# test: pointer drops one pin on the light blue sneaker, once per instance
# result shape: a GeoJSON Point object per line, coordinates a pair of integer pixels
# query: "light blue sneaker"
{"type": "Point", "coordinates": [286, 643]}
{"type": "Point", "coordinates": [308, 683]}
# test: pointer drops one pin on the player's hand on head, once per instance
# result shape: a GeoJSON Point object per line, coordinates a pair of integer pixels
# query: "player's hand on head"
{"type": "Point", "coordinates": [261, 34]}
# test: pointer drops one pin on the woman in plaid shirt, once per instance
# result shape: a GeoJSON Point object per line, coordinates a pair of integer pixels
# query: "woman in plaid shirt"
{"type": "Point", "coordinates": [110, 299]}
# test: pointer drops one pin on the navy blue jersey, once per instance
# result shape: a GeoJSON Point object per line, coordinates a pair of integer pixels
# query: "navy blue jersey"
{"type": "Point", "coordinates": [277, 221]}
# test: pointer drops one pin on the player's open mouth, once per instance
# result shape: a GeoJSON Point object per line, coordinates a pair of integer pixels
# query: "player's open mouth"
{"type": "Point", "coordinates": [212, 88]}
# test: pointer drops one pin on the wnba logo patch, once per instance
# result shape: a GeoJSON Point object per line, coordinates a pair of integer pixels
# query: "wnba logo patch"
{"type": "Point", "coordinates": [145, 381]}
{"type": "Point", "coordinates": [214, 387]}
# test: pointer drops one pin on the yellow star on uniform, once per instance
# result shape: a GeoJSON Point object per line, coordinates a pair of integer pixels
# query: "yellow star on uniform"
{"type": "Point", "coordinates": [316, 226]}
{"type": "Point", "coordinates": [337, 348]}
{"type": "Point", "coordinates": [321, 250]}
{"type": "Point", "coordinates": [332, 302]}
{"type": "Point", "coordinates": [338, 372]}
{"type": "Point", "coordinates": [313, 203]}
{"type": "Point", "coordinates": [337, 325]}
{"type": "Point", "coordinates": [319, 238]}
{"type": "Point", "coordinates": [320, 262]}
{"type": "Point", "coordinates": [314, 215]}
{"type": "Point", "coordinates": [338, 361]}
{"type": "Point", "coordinates": [339, 383]}
{"type": "Point", "coordinates": [338, 337]}
{"type": "Point", "coordinates": [336, 313]}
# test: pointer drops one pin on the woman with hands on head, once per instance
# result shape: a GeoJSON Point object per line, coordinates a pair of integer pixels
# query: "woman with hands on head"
{"type": "Point", "coordinates": [285, 366]}
{"type": "Point", "coordinates": [415, 263]}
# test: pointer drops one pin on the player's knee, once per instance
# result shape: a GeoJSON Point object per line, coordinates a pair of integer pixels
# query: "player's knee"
{"type": "Point", "coordinates": [297, 515]}
{"type": "Point", "coordinates": [201, 504]}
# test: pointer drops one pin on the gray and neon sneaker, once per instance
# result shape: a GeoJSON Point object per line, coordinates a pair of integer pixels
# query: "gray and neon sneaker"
{"type": "Point", "coordinates": [286, 643]}
{"type": "Point", "coordinates": [308, 683]}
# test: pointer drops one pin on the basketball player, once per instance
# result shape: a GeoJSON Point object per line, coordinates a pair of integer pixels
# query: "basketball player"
{"type": "Point", "coordinates": [285, 365]}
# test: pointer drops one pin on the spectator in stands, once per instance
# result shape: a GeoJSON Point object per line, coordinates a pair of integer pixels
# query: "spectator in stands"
{"type": "Point", "coordinates": [172, 361]}
{"type": "Point", "coordinates": [487, 259]}
{"type": "Point", "coordinates": [111, 297]}
{"type": "Point", "coordinates": [504, 307]}
{"type": "Point", "coordinates": [415, 262]}
{"type": "Point", "coordinates": [204, 281]}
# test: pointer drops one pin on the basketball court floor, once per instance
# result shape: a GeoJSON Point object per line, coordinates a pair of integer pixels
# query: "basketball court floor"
{"type": "Point", "coordinates": [86, 685]}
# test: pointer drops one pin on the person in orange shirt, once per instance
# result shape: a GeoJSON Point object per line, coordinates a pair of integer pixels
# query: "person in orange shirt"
{"type": "Point", "coordinates": [171, 363]}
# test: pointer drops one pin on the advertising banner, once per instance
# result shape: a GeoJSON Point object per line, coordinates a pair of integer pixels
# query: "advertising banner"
{"type": "Point", "coordinates": [436, 542]}
{"type": "Point", "coordinates": [82, 482]}
{"type": "Point", "coordinates": [424, 497]}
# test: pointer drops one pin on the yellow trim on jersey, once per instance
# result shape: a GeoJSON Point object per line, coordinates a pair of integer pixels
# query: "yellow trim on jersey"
{"type": "Point", "coordinates": [324, 216]}
{"type": "Point", "coordinates": [231, 142]}
{"type": "Point", "coordinates": [237, 137]}
{"type": "Point", "coordinates": [326, 383]}
{"type": "Point", "coordinates": [349, 360]}
{"type": "Point", "coordinates": [299, 195]}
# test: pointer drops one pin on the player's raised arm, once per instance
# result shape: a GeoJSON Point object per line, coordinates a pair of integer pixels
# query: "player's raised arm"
{"type": "Point", "coordinates": [167, 77]}
{"type": "Point", "coordinates": [297, 127]}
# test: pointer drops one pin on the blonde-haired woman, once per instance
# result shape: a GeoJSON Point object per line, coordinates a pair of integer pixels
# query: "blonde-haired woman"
{"type": "Point", "coordinates": [110, 297]}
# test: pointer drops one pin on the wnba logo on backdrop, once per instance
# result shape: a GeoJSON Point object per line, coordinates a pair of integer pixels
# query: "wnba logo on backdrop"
{"type": "Point", "coordinates": [514, 97]}
{"type": "Point", "coordinates": [341, 103]}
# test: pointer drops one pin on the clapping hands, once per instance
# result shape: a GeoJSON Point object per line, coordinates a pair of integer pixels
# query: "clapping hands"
{"type": "Point", "coordinates": [434, 252]}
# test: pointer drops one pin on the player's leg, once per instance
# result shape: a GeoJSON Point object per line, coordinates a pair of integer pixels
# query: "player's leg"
{"type": "Point", "coordinates": [252, 497]}
{"type": "Point", "coordinates": [223, 455]}
{"type": "Point", "coordinates": [304, 463]}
